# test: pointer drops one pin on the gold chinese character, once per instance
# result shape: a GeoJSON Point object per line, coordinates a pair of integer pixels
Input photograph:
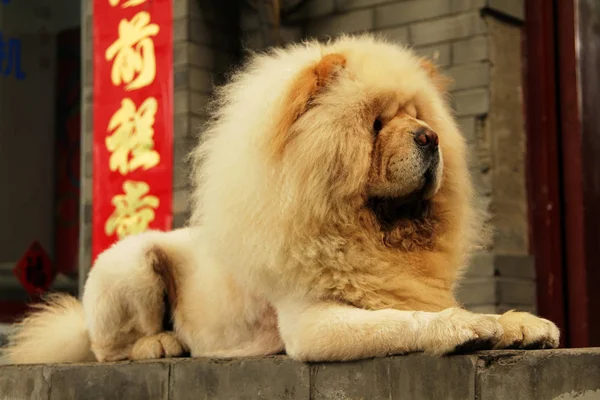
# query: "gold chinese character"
{"type": "Point", "coordinates": [133, 132]}
{"type": "Point", "coordinates": [134, 210]}
{"type": "Point", "coordinates": [133, 52]}
{"type": "Point", "coordinates": [129, 3]}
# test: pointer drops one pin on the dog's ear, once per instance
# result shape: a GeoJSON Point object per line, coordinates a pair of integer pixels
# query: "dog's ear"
{"type": "Point", "coordinates": [441, 82]}
{"type": "Point", "coordinates": [308, 83]}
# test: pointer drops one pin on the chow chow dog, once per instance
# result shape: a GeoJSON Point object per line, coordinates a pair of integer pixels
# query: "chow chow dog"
{"type": "Point", "coordinates": [332, 217]}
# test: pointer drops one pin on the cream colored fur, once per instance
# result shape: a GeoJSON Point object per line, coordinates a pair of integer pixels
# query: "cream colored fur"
{"type": "Point", "coordinates": [284, 251]}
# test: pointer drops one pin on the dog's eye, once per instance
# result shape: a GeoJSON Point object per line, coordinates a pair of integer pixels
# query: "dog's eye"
{"type": "Point", "coordinates": [377, 126]}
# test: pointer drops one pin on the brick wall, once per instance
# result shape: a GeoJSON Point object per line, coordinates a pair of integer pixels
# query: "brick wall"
{"type": "Point", "coordinates": [87, 123]}
{"type": "Point", "coordinates": [206, 44]}
{"type": "Point", "coordinates": [518, 375]}
{"type": "Point", "coordinates": [466, 39]}
{"type": "Point", "coordinates": [482, 53]}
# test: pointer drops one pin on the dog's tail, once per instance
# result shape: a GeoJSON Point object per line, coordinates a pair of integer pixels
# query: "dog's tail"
{"type": "Point", "coordinates": [54, 332]}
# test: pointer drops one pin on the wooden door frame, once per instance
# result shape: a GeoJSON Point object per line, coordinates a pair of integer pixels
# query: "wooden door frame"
{"type": "Point", "coordinates": [563, 154]}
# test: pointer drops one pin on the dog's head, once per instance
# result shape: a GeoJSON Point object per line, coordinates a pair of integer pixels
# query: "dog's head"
{"type": "Point", "coordinates": [367, 119]}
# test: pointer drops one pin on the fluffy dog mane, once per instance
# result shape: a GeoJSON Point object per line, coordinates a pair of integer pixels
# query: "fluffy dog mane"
{"type": "Point", "coordinates": [294, 214]}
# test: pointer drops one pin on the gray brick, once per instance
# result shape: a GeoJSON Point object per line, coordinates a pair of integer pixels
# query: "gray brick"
{"type": "Point", "coordinates": [202, 56]}
{"type": "Point", "coordinates": [467, 128]}
{"type": "Point", "coordinates": [198, 103]}
{"type": "Point", "coordinates": [87, 213]}
{"type": "Point", "coordinates": [485, 204]}
{"type": "Point", "coordinates": [88, 6]}
{"type": "Point", "coordinates": [291, 34]}
{"type": "Point", "coordinates": [223, 61]}
{"type": "Point", "coordinates": [103, 381]}
{"type": "Point", "coordinates": [477, 291]}
{"type": "Point", "coordinates": [87, 77]}
{"type": "Point", "coordinates": [312, 9]}
{"type": "Point", "coordinates": [87, 138]}
{"type": "Point", "coordinates": [186, 8]}
{"type": "Point", "coordinates": [482, 180]}
{"type": "Point", "coordinates": [181, 126]}
{"type": "Point", "coordinates": [88, 94]}
{"type": "Point", "coordinates": [439, 53]}
{"type": "Point", "coordinates": [466, 5]}
{"type": "Point", "coordinates": [502, 308]}
{"type": "Point", "coordinates": [483, 309]}
{"type": "Point", "coordinates": [411, 376]}
{"type": "Point", "coordinates": [469, 76]}
{"type": "Point", "coordinates": [86, 189]}
{"type": "Point", "coordinates": [516, 291]}
{"type": "Point", "coordinates": [483, 139]}
{"type": "Point", "coordinates": [320, 8]}
{"type": "Point", "coordinates": [181, 101]}
{"type": "Point", "coordinates": [355, 21]}
{"type": "Point", "coordinates": [515, 266]}
{"type": "Point", "coordinates": [181, 9]}
{"type": "Point", "coordinates": [547, 374]}
{"type": "Point", "coordinates": [253, 40]}
{"type": "Point", "coordinates": [198, 55]}
{"type": "Point", "coordinates": [249, 20]}
{"type": "Point", "coordinates": [88, 28]}
{"type": "Point", "coordinates": [398, 35]}
{"type": "Point", "coordinates": [471, 102]}
{"type": "Point", "coordinates": [180, 175]}
{"type": "Point", "coordinates": [196, 125]}
{"type": "Point", "coordinates": [472, 49]}
{"type": "Point", "coordinates": [266, 378]}
{"type": "Point", "coordinates": [180, 201]}
{"type": "Point", "coordinates": [24, 382]}
{"type": "Point", "coordinates": [512, 8]}
{"type": "Point", "coordinates": [201, 80]}
{"type": "Point", "coordinates": [88, 162]}
{"type": "Point", "coordinates": [365, 379]}
{"type": "Point", "coordinates": [88, 118]}
{"type": "Point", "coordinates": [181, 29]}
{"type": "Point", "coordinates": [181, 77]}
{"type": "Point", "coordinates": [210, 34]}
{"type": "Point", "coordinates": [410, 11]}
{"type": "Point", "coordinates": [181, 54]}
{"type": "Point", "coordinates": [418, 377]}
{"type": "Point", "coordinates": [88, 50]}
{"type": "Point", "coordinates": [482, 265]}
{"type": "Point", "coordinates": [448, 28]}
{"type": "Point", "coordinates": [87, 236]}
{"type": "Point", "coordinates": [181, 149]}
{"type": "Point", "coordinates": [179, 220]}
{"type": "Point", "coordinates": [346, 5]}
{"type": "Point", "coordinates": [190, 102]}
{"type": "Point", "coordinates": [87, 261]}
{"type": "Point", "coordinates": [520, 374]}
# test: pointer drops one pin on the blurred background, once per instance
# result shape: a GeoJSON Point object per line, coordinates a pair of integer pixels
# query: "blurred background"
{"type": "Point", "coordinates": [525, 93]}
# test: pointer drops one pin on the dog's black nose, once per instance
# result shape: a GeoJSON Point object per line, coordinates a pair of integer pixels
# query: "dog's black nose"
{"type": "Point", "coordinates": [426, 138]}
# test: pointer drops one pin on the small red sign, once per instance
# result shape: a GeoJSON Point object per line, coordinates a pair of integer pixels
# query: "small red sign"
{"type": "Point", "coordinates": [35, 270]}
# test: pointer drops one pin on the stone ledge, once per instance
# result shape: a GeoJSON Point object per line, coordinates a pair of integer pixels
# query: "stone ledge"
{"type": "Point", "coordinates": [514, 375]}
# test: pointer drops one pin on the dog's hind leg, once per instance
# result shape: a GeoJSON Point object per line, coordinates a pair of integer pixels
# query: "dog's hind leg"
{"type": "Point", "coordinates": [124, 299]}
{"type": "Point", "coordinates": [162, 345]}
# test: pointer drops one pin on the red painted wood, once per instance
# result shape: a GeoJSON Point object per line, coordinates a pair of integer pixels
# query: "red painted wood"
{"type": "Point", "coordinates": [571, 146]}
{"type": "Point", "coordinates": [584, 278]}
{"type": "Point", "coordinates": [543, 161]}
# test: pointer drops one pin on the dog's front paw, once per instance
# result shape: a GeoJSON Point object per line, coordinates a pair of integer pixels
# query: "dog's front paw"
{"type": "Point", "coordinates": [163, 345]}
{"type": "Point", "coordinates": [457, 330]}
{"type": "Point", "coordinates": [523, 330]}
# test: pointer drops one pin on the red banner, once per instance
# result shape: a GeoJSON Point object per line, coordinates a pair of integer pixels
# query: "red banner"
{"type": "Point", "coordinates": [133, 119]}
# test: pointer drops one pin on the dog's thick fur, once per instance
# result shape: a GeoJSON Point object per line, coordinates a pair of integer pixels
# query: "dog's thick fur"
{"type": "Point", "coordinates": [327, 221]}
